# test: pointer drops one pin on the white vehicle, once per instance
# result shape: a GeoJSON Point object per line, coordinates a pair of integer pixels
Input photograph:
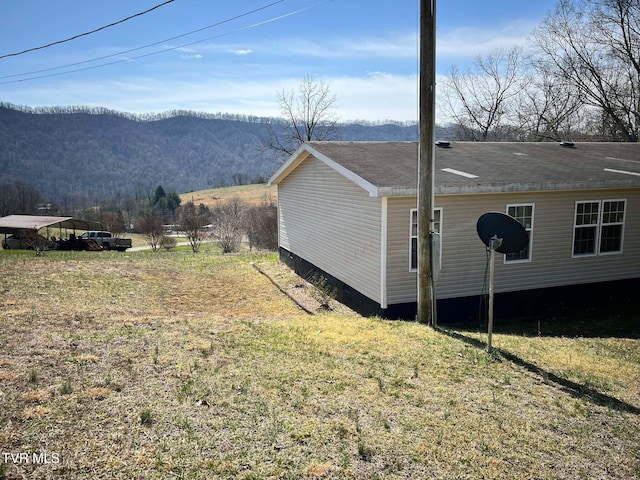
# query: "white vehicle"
{"type": "Point", "coordinates": [107, 241]}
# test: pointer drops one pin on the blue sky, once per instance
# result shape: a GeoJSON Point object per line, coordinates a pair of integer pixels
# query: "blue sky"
{"type": "Point", "coordinates": [366, 50]}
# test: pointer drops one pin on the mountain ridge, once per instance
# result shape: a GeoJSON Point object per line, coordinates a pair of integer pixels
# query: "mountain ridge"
{"type": "Point", "coordinates": [81, 151]}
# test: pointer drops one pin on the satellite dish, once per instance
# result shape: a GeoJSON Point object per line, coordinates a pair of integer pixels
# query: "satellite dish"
{"type": "Point", "coordinates": [497, 225]}
{"type": "Point", "coordinates": [504, 234]}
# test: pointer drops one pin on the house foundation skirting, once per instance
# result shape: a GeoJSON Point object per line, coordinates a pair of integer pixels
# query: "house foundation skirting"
{"type": "Point", "coordinates": [344, 293]}
{"type": "Point", "coordinates": [550, 301]}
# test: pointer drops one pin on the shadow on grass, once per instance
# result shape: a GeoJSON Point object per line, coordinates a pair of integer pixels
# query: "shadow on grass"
{"type": "Point", "coordinates": [574, 389]}
{"type": "Point", "coordinates": [602, 322]}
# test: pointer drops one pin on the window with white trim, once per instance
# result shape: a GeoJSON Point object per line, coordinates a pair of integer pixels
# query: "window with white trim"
{"type": "Point", "coordinates": [523, 212]}
{"type": "Point", "coordinates": [598, 227]}
{"type": "Point", "coordinates": [413, 238]}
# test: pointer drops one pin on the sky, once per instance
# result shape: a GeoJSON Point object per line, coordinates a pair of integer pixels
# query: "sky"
{"type": "Point", "coordinates": [234, 56]}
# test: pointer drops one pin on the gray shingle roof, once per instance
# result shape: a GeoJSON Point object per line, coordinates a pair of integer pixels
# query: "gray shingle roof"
{"type": "Point", "coordinates": [493, 166]}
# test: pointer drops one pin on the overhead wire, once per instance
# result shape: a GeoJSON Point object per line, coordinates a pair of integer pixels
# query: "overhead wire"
{"type": "Point", "coordinates": [74, 37]}
{"type": "Point", "coordinates": [124, 52]}
{"type": "Point", "coordinates": [264, 22]}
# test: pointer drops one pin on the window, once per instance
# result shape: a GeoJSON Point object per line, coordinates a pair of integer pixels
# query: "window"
{"type": "Point", "coordinates": [413, 238]}
{"type": "Point", "coordinates": [598, 227]}
{"type": "Point", "coordinates": [413, 235]}
{"type": "Point", "coordinates": [524, 214]}
{"type": "Point", "coordinates": [612, 225]}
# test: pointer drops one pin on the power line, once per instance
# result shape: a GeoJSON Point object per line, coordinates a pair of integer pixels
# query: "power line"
{"type": "Point", "coordinates": [132, 50]}
{"type": "Point", "coordinates": [85, 33]}
{"type": "Point", "coordinates": [258, 24]}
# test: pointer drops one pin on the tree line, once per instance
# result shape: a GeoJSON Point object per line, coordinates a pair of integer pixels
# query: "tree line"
{"type": "Point", "coordinates": [138, 117]}
{"type": "Point", "coordinates": [154, 214]}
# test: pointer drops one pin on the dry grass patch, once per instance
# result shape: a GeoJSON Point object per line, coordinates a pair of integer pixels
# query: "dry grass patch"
{"type": "Point", "coordinates": [35, 412]}
{"type": "Point", "coordinates": [252, 194]}
{"type": "Point", "coordinates": [98, 393]}
{"type": "Point", "coordinates": [7, 376]}
{"type": "Point", "coordinates": [37, 396]}
{"type": "Point", "coordinates": [321, 470]}
{"type": "Point", "coordinates": [87, 358]}
{"type": "Point", "coordinates": [206, 371]}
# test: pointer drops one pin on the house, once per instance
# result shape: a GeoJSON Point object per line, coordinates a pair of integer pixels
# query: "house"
{"type": "Point", "coordinates": [348, 211]}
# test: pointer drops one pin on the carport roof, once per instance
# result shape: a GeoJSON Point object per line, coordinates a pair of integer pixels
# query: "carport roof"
{"type": "Point", "coordinates": [14, 223]}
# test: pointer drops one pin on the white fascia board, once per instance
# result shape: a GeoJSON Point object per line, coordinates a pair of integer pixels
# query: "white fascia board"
{"type": "Point", "coordinates": [303, 152]}
{"type": "Point", "coordinates": [289, 164]}
{"type": "Point", "coordinates": [397, 191]}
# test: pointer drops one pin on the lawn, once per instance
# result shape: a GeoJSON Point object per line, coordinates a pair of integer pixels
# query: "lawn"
{"type": "Point", "coordinates": [174, 365]}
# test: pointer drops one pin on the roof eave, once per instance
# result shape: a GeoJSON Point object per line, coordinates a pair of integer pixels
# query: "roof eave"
{"type": "Point", "coordinates": [533, 187]}
{"type": "Point", "coordinates": [466, 189]}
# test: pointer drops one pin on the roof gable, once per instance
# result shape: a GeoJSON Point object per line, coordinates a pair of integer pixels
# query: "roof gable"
{"type": "Point", "coordinates": [305, 151]}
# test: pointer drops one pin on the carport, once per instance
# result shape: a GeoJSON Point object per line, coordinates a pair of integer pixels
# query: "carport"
{"type": "Point", "coordinates": [15, 224]}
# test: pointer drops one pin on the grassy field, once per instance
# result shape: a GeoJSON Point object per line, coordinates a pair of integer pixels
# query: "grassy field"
{"type": "Point", "coordinates": [173, 365]}
{"type": "Point", "coordinates": [252, 194]}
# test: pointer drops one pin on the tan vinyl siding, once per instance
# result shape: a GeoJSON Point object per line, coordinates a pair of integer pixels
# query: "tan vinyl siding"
{"type": "Point", "coordinates": [401, 283]}
{"type": "Point", "coordinates": [332, 223]}
{"type": "Point", "coordinates": [463, 255]}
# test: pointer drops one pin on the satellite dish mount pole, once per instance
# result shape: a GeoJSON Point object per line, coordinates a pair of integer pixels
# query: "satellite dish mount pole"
{"type": "Point", "coordinates": [494, 244]}
{"type": "Point", "coordinates": [503, 234]}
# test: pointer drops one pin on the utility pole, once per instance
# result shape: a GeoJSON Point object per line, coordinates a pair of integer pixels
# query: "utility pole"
{"type": "Point", "coordinates": [426, 154]}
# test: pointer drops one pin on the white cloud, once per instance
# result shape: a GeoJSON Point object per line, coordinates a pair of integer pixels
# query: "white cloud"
{"type": "Point", "coordinates": [469, 42]}
{"type": "Point", "coordinates": [395, 46]}
{"type": "Point", "coordinates": [379, 96]}
{"type": "Point", "coordinates": [246, 51]}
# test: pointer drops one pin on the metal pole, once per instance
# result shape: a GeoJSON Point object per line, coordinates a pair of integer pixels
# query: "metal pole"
{"type": "Point", "coordinates": [494, 243]}
{"type": "Point", "coordinates": [426, 154]}
{"type": "Point", "coordinates": [491, 274]}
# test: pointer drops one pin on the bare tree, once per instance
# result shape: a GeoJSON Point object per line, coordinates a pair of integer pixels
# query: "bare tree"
{"type": "Point", "coordinates": [152, 229]}
{"type": "Point", "coordinates": [309, 113]}
{"type": "Point", "coordinates": [7, 192]}
{"type": "Point", "coordinates": [479, 99]}
{"type": "Point", "coordinates": [18, 197]}
{"type": "Point", "coordinates": [228, 223]}
{"type": "Point", "coordinates": [114, 222]}
{"type": "Point", "coordinates": [595, 46]}
{"type": "Point", "coordinates": [193, 223]}
{"type": "Point", "coordinates": [548, 109]}
{"type": "Point", "coordinates": [261, 225]}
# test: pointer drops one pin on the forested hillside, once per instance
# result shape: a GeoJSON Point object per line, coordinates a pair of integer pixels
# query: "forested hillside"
{"type": "Point", "coordinates": [78, 151]}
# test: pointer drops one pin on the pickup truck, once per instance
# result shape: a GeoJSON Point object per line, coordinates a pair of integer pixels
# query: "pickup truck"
{"type": "Point", "coordinates": [107, 241]}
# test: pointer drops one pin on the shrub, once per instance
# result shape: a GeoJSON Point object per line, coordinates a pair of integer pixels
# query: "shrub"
{"type": "Point", "coordinates": [167, 242]}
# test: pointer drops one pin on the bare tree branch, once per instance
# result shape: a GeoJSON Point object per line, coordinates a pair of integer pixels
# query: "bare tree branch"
{"type": "Point", "coordinates": [480, 99]}
{"type": "Point", "coordinates": [595, 46]}
{"type": "Point", "coordinates": [309, 114]}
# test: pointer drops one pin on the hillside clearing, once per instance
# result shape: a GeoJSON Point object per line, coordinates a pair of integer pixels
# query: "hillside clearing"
{"type": "Point", "coordinates": [251, 194]}
{"type": "Point", "coordinates": [176, 365]}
